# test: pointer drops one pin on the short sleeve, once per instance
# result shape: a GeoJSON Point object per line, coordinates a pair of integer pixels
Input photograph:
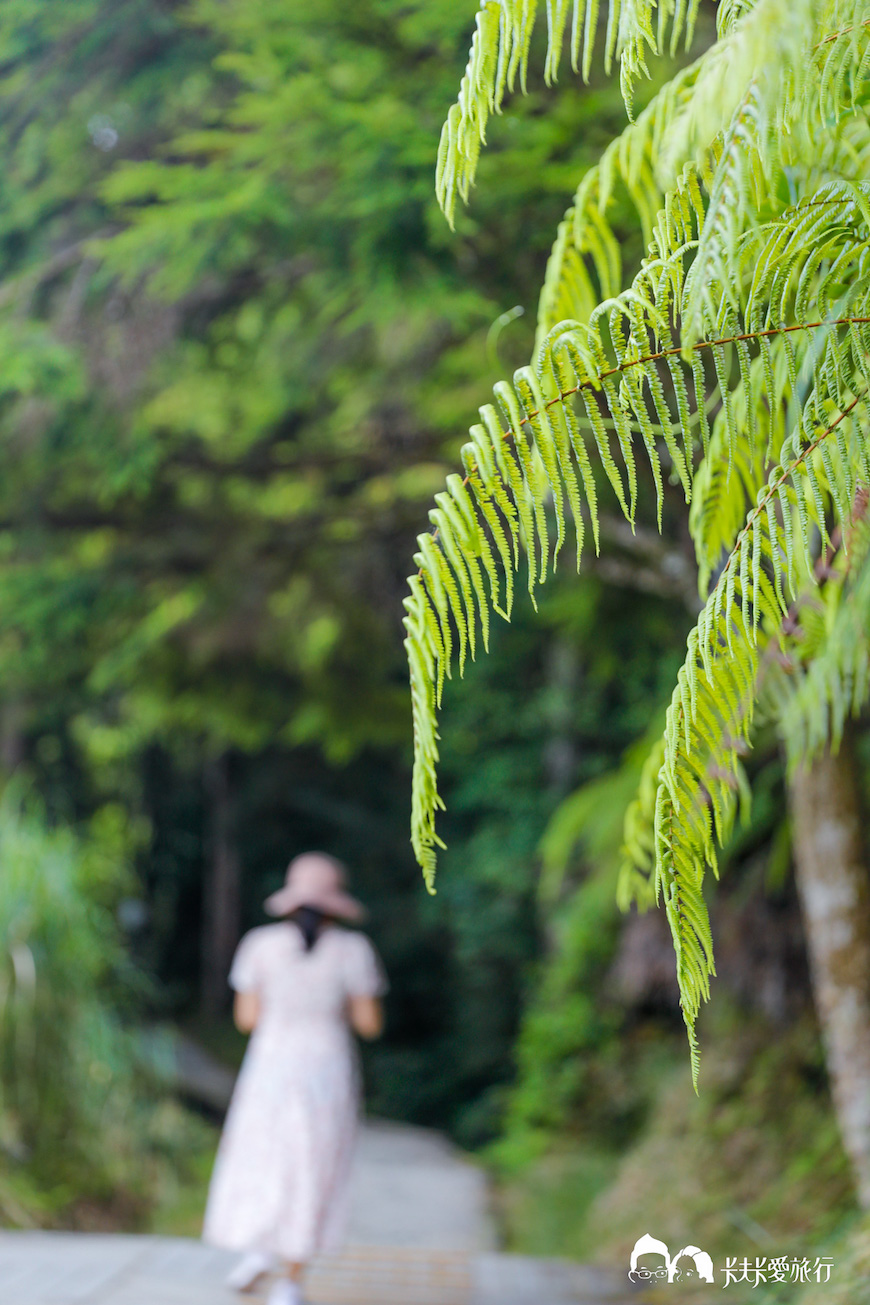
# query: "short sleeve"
{"type": "Point", "coordinates": [245, 971]}
{"type": "Point", "coordinates": [364, 972]}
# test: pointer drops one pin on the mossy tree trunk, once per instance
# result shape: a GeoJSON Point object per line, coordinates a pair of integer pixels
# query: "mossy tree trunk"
{"type": "Point", "coordinates": [834, 889]}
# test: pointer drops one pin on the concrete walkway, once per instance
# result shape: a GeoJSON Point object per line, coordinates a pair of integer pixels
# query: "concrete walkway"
{"type": "Point", "coordinates": [93, 1269]}
{"type": "Point", "coordinates": [411, 1188]}
{"type": "Point", "coordinates": [421, 1234]}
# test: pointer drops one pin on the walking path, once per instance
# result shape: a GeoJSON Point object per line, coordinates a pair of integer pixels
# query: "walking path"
{"type": "Point", "coordinates": [421, 1234]}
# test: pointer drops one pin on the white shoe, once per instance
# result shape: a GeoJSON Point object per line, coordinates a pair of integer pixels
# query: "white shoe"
{"type": "Point", "coordinates": [285, 1292]}
{"type": "Point", "coordinates": [250, 1269]}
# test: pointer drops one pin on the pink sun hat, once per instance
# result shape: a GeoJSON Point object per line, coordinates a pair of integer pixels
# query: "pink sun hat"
{"type": "Point", "coordinates": [318, 880]}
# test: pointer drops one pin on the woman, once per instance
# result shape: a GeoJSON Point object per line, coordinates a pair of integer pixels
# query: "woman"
{"type": "Point", "coordinates": [279, 1186]}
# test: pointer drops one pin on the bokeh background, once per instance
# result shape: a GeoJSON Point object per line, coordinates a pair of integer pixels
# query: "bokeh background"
{"type": "Point", "coordinates": [239, 348]}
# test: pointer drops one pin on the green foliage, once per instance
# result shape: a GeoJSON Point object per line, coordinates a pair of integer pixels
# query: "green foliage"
{"type": "Point", "coordinates": [850, 1252]}
{"type": "Point", "coordinates": [65, 1064]}
{"type": "Point", "coordinates": [775, 1178]}
{"type": "Point", "coordinates": [217, 225]}
{"type": "Point", "coordinates": [559, 698]}
{"type": "Point", "coordinates": [236, 343]}
{"type": "Point", "coordinates": [499, 55]}
{"type": "Point", "coordinates": [747, 173]}
{"type": "Point", "coordinates": [86, 1119]}
{"type": "Point", "coordinates": [570, 1026]}
{"type": "Point", "coordinates": [814, 694]}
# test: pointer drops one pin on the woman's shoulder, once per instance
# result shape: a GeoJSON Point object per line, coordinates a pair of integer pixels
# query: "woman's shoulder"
{"type": "Point", "coordinates": [349, 940]}
{"type": "Point", "coordinates": [351, 946]}
{"type": "Point", "coordinates": [264, 937]}
{"type": "Point", "coordinates": [361, 965]}
{"type": "Point", "coordinates": [256, 957]}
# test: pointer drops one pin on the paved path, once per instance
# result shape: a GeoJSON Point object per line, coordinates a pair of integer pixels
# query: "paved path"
{"type": "Point", "coordinates": [421, 1234]}
{"type": "Point", "coordinates": [411, 1188]}
{"type": "Point", "coordinates": [92, 1269]}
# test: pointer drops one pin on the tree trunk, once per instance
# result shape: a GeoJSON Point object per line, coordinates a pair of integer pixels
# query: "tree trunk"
{"type": "Point", "coordinates": [834, 890]}
{"type": "Point", "coordinates": [562, 673]}
{"type": "Point", "coordinates": [221, 890]}
{"type": "Point", "coordinates": [13, 746]}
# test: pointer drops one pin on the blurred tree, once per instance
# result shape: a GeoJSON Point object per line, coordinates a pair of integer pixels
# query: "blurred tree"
{"type": "Point", "coordinates": [223, 416]}
{"type": "Point", "coordinates": [235, 344]}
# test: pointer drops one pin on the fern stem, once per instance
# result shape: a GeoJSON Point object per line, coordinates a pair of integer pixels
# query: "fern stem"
{"type": "Point", "coordinates": [844, 31]}
{"type": "Point", "coordinates": [671, 353]}
{"type": "Point", "coordinates": [775, 486]}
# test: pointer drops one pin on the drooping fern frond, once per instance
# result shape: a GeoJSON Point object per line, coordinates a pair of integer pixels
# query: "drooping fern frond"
{"type": "Point", "coordinates": [635, 884]}
{"type": "Point", "coordinates": [828, 678]}
{"type": "Point", "coordinates": [843, 58]}
{"type": "Point", "coordinates": [690, 150]}
{"type": "Point", "coordinates": [529, 447]}
{"type": "Point", "coordinates": [585, 266]}
{"type": "Point", "coordinates": [771, 44]}
{"type": "Point", "coordinates": [710, 718]}
{"type": "Point", "coordinates": [499, 57]}
{"type": "Point", "coordinates": [734, 360]}
{"type": "Point", "coordinates": [731, 470]}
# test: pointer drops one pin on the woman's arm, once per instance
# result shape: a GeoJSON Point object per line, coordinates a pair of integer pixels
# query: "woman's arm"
{"type": "Point", "coordinates": [366, 1015]}
{"type": "Point", "coordinates": [246, 1011]}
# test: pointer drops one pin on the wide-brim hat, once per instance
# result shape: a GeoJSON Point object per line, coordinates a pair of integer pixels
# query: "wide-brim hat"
{"type": "Point", "coordinates": [317, 880]}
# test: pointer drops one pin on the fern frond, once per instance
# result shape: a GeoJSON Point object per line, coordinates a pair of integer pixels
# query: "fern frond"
{"type": "Point", "coordinates": [635, 882]}
{"type": "Point", "coordinates": [499, 56]}
{"type": "Point", "coordinates": [843, 57]}
{"type": "Point", "coordinates": [748, 178]}
{"type": "Point", "coordinates": [829, 680]}
{"type": "Point", "coordinates": [529, 463]}
{"type": "Point", "coordinates": [535, 450]}
{"type": "Point", "coordinates": [710, 717]}
{"type": "Point", "coordinates": [691, 172]}
{"type": "Point", "coordinates": [627, 168]}
{"type": "Point", "coordinates": [733, 468]}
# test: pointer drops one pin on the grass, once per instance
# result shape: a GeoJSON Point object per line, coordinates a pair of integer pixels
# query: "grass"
{"type": "Point", "coordinates": [180, 1203]}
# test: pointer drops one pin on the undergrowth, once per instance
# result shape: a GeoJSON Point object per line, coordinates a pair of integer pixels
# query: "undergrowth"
{"type": "Point", "coordinates": [752, 1167]}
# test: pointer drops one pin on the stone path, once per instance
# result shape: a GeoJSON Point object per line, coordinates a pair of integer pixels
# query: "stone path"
{"type": "Point", "coordinates": [412, 1188]}
{"type": "Point", "coordinates": [421, 1234]}
{"type": "Point", "coordinates": [93, 1269]}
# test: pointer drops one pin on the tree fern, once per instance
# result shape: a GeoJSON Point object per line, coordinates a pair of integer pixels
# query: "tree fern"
{"type": "Point", "coordinates": [499, 58]}
{"type": "Point", "coordinates": [827, 676]}
{"type": "Point", "coordinates": [733, 361]}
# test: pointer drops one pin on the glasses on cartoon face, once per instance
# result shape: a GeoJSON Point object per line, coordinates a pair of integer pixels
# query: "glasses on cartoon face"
{"type": "Point", "coordinates": [649, 1268]}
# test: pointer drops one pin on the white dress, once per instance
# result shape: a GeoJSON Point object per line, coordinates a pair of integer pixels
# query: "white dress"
{"type": "Point", "coordinates": [280, 1179]}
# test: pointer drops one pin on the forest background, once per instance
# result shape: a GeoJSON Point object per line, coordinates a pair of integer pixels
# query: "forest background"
{"type": "Point", "coordinates": [238, 350]}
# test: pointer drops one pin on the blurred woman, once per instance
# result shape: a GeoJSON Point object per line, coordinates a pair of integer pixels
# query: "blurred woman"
{"type": "Point", "coordinates": [279, 1186]}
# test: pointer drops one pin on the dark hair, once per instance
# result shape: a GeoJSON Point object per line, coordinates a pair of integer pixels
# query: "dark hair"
{"type": "Point", "coordinates": [309, 921]}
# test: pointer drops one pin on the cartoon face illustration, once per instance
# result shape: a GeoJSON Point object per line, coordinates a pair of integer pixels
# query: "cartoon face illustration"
{"type": "Point", "coordinates": [650, 1267]}
{"type": "Point", "coordinates": [685, 1270]}
{"type": "Point", "coordinates": [691, 1264]}
{"type": "Point", "coordinates": [650, 1260]}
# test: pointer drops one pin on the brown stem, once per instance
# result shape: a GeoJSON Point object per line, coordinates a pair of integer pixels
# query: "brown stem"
{"type": "Point", "coordinates": [673, 352]}
{"type": "Point", "coordinates": [844, 31]}
{"type": "Point", "coordinates": [774, 488]}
